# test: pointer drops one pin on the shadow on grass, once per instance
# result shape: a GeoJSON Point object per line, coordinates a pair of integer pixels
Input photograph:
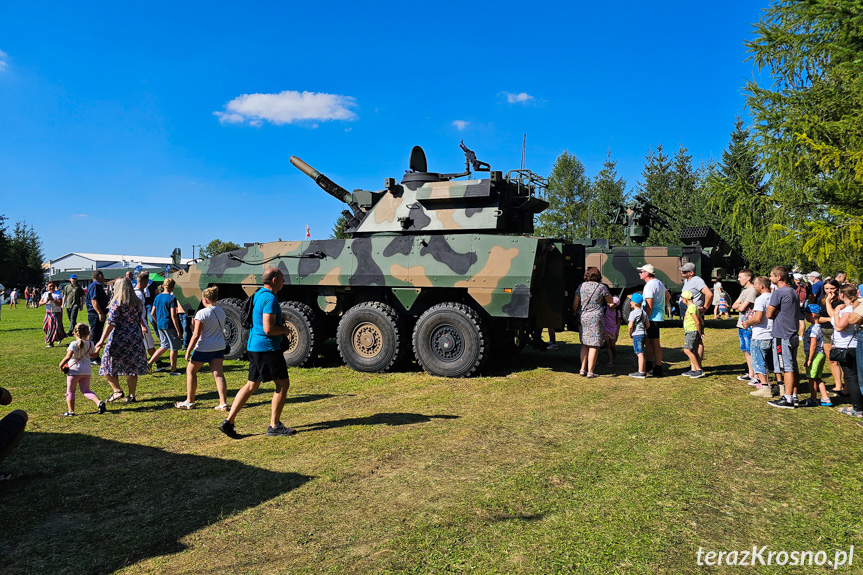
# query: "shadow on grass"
{"type": "Point", "coordinates": [158, 403]}
{"type": "Point", "coordinates": [90, 505]}
{"type": "Point", "coordinates": [376, 419]}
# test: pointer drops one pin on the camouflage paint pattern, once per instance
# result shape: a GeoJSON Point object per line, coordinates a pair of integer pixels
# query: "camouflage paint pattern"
{"type": "Point", "coordinates": [496, 272]}
{"type": "Point", "coordinates": [619, 265]}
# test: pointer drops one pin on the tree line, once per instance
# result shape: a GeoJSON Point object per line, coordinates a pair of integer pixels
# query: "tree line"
{"type": "Point", "coordinates": [21, 255]}
{"type": "Point", "coordinates": [788, 189]}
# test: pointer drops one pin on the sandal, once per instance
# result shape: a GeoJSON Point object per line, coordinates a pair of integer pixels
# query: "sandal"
{"type": "Point", "coordinates": [591, 375]}
{"type": "Point", "coordinates": [582, 373]}
{"type": "Point", "coordinates": [131, 399]}
{"type": "Point", "coordinates": [185, 404]}
{"type": "Point", "coordinates": [223, 407]}
{"type": "Point", "coordinates": [115, 397]}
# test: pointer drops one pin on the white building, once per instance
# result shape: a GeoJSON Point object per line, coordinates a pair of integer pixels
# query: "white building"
{"type": "Point", "coordinates": [112, 265]}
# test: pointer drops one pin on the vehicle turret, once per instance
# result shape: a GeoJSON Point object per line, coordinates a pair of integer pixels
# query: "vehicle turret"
{"type": "Point", "coordinates": [428, 202]}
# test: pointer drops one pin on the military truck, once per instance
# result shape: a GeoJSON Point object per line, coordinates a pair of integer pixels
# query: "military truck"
{"type": "Point", "coordinates": [442, 269]}
{"type": "Point", "coordinates": [702, 246]}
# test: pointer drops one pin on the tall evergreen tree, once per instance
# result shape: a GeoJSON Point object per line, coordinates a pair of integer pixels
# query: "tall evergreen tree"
{"type": "Point", "coordinates": [737, 194]}
{"type": "Point", "coordinates": [24, 256]}
{"type": "Point", "coordinates": [809, 126]}
{"type": "Point", "coordinates": [608, 189]}
{"type": "Point", "coordinates": [569, 192]}
{"type": "Point", "coordinates": [657, 188]}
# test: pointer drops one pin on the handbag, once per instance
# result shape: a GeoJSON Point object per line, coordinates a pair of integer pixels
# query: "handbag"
{"type": "Point", "coordinates": [838, 354]}
{"type": "Point", "coordinates": [227, 345]}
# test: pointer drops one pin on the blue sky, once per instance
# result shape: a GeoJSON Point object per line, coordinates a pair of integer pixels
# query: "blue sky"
{"type": "Point", "coordinates": [129, 128]}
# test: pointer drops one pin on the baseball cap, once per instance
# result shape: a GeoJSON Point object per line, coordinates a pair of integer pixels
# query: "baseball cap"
{"type": "Point", "coordinates": [814, 308]}
{"type": "Point", "coordinates": [686, 294]}
{"type": "Point", "coordinates": [637, 298]}
{"type": "Point", "coordinates": [73, 277]}
{"type": "Point", "coordinates": [647, 268]}
{"type": "Point", "coordinates": [798, 276]}
{"type": "Point", "coordinates": [814, 274]}
{"type": "Point", "coordinates": [687, 267]}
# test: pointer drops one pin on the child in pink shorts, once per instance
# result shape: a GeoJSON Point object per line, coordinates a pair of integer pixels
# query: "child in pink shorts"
{"type": "Point", "coordinates": [76, 366]}
{"type": "Point", "coordinates": [613, 319]}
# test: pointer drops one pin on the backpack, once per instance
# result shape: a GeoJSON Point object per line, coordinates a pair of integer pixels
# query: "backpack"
{"type": "Point", "coordinates": [246, 312]}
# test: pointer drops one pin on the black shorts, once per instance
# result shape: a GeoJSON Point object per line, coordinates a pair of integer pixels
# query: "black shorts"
{"type": "Point", "coordinates": [267, 366]}
{"type": "Point", "coordinates": [653, 330]}
{"type": "Point", "coordinates": [10, 428]}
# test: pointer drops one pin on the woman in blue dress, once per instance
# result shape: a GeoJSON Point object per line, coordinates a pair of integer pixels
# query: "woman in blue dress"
{"type": "Point", "coordinates": [123, 340]}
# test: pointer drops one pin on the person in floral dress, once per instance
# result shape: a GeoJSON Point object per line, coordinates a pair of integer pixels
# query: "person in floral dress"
{"type": "Point", "coordinates": [123, 341]}
{"type": "Point", "coordinates": [588, 303]}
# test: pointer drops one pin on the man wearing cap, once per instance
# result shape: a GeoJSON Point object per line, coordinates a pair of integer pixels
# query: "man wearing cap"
{"type": "Point", "coordinates": [702, 296]}
{"type": "Point", "coordinates": [73, 301]}
{"type": "Point", "coordinates": [654, 305]}
{"type": "Point", "coordinates": [817, 290]}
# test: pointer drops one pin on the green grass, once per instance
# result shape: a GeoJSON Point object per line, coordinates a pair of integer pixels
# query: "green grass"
{"type": "Point", "coordinates": [529, 469]}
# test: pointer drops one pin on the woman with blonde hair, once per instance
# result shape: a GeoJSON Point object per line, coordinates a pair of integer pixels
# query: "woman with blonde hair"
{"type": "Point", "coordinates": [206, 346]}
{"type": "Point", "coordinates": [123, 341]}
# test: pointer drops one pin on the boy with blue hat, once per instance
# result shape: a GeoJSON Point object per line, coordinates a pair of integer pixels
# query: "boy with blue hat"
{"type": "Point", "coordinates": [813, 346]}
{"type": "Point", "coordinates": [638, 324]}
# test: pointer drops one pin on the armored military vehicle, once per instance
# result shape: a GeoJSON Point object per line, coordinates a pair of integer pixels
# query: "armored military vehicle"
{"type": "Point", "coordinates": [438, 267]}
{"type": "Point", "coordinates": [702, 246]}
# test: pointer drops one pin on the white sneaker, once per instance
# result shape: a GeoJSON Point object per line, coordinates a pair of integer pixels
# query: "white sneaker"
{"type": "Point", "coordinates": [744, 377]}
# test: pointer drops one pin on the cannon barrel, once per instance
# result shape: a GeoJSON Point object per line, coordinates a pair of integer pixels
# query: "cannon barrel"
{"type": "Point", "coordinates": [322, 181]}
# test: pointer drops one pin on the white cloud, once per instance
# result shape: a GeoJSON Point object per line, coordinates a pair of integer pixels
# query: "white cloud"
{"type": "Point", "coordinates": [460, 124]}
{"type": "Point", "coordinates": [81, 215]}
{"type": "Point", "coordinates": [520, 98]}
{"type": "Point", "coordinates": [287, 107]}
{"type": "Point", "coordinates": [3, 63]}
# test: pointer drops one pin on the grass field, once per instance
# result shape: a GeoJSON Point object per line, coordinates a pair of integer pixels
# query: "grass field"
{"type": "Point", "coordinates": [529, 469]}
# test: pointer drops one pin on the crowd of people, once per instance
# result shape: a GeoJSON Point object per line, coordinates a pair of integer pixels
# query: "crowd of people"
{"type": "Point", "coordinates": [775, 313]}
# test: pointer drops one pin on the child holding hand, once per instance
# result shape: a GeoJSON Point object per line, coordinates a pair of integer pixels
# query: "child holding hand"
{"type": "Point", "coordinates": [76, 365]}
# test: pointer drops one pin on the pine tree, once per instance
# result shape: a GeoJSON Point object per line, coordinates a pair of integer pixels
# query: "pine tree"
{"type": "Point", "coordinates": [338, 232]}
{"type": "Point", "coordinates": [737, 194]}
{"type": "Point", "coordinates": [657, 188]}
{"type": "Point", "coordinates": [24, 256]}
{"type": "Point", "coordinates": [569, 192]}
{"type": "Point", "coordinates": [608, 190]}
{"type": "Point", "coordinates": [809, 126]}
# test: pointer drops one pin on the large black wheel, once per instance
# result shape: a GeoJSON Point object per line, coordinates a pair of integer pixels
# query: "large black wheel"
{"type": "Point", "coordinates": [450, 340]}
{"type": "Point", "coordinates": [300, 345]}
{"type": "Point", "coordinates": [235, 335]}
{"type": "Point", "coordinates": [371, 337]}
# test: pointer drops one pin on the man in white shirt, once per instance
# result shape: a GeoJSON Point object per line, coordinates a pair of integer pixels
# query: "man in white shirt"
{"type": "Point", "coordinates": [654, 306]}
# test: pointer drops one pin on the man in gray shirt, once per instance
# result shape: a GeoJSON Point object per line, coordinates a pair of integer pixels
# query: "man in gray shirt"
{"type": "Point", "coordinates": [784, 310]}
{"type": "Point", "coordinates": [702, 296]}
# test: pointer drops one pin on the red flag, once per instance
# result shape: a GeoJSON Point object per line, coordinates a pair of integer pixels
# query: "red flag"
{"type": "Point", "coordinates": [308, 231]}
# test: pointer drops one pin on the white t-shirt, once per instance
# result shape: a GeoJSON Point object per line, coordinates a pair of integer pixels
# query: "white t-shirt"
{"type": "Point", "coordinates": [814, 330]}
{"type": "Point", "coordinates": [635, 316]}
{"type": "Point", "coordinates": [142, 296]}
{"type": "Point", "coordinates": [49, 306]}
{"type": "Point", "coordinates": [845, 338]}
{"type": "Point", "coordinates": [761, 331]}
{"type": "Point", "coordinates": [79, 363]}
{"type": "Point", "coordinates": [212, 337]}
{"type": "Point", "coordinates": [654, 289]}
